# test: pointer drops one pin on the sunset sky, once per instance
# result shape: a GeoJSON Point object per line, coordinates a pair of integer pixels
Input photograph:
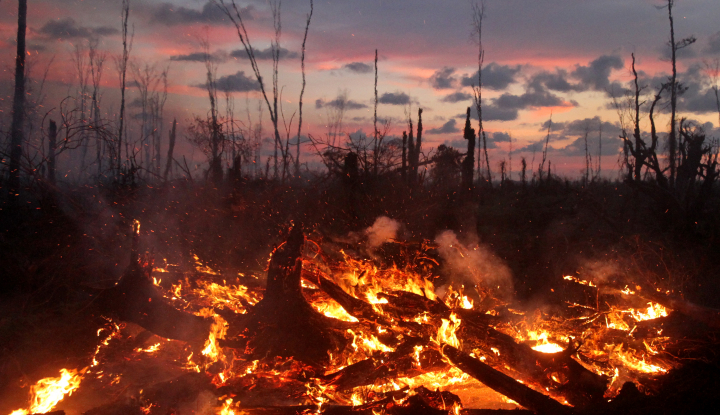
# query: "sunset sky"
{"type": "Point", "coordinates": [563, 57]}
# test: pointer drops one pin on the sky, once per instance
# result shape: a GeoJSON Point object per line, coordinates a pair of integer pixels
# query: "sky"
{"type": "Point", "coordinates": [556, 59]}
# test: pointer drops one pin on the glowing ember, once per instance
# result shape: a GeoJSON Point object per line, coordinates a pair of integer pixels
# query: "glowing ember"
{"type": "Point", "coordinates": [579, 281]}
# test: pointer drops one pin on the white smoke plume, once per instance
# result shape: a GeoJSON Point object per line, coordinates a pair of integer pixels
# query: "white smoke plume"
{"type": "Point", "coordinates": [383, 230]}
{"type": "Point", "coordinates": [473, 264]}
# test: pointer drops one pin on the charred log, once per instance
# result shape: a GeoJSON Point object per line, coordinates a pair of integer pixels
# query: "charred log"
{"type": "Point", "coordinates": [500, 382]}
{"type": "Point", "coordinates": [135, 299]}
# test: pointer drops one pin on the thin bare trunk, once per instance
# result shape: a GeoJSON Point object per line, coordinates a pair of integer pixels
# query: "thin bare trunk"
{"type": "Point", "coordinates": [672, 139]}
{"type": "Point", "coordinates": [52, 150]}
{"type": "Point", "coordinates": [375, 129]}
{"type": "Point", "coordinates": [302, 91]}
{"type": "Point", "coordinates": [16, 140]}
{"type": "Point", "coordinates": [122, 63]}
{"type": "Point", "coordinates": [171, 147]}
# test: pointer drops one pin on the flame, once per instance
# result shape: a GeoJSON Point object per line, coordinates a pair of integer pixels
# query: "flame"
{"type": "Point", "coordinates": [333, 310]}
{"type": "Point", "coordinates": [579, 281]}
{"type": "Point", "coordinates": [202, 268]}
{"type": "Point", "coordinates": [48, 392]}
{"type": "Point", "coordinates": [227, 408]}
{"type": "Point", "coordinates": [152, 349]}
{"type": "Point", "coordinates": [446, 332]}
{"type": "Point", "coordinates": [217, 331]}
{"type": "Point", "coordinates": [225, 296]}
{"type": "Point", "coordinates": [653, 311]}
{"type": "Point", "coordinates": [630, 361]}
{"type": "Point", "coordinates": [543, 345]}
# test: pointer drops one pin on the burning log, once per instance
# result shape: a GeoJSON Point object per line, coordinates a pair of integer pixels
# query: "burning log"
{"type": "Point", "coordinates": [708, 316]}
{"type": "Point", "coordinates": [500, 382]}
{"type": "Point", "coordinates": [558, 372]}
{"type": "Point", "coordinates": [400, 363]}
{"type": "Point", "coordinates": [355, 307]}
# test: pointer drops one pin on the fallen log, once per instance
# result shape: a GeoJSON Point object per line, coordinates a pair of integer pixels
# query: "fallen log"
{"type": "Point", "coordinates": [135, 299]}
{"type": "Point", "coordinates": [558, 372]}
{"type": "Point", "coordinates": [504, 384]}
{"type": "Point", "coordinates": [355, 307]}
{"type": "Point", "coordinates": [708, 316]}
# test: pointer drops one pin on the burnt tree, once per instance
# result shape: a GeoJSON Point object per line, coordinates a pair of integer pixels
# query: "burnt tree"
{"type": "Point", "coordinates": [469, 161]}
{"type": "Point", "coordinates": [18, 117]}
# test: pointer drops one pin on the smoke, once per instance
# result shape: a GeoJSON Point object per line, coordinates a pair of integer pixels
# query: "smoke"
{"type": "Point", "coordinates": [473, 264]}
{"type": "Point", "coordinates": [381, 231]}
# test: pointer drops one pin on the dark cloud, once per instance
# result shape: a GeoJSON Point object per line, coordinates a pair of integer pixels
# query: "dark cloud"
{"type": "Point", "coordinates": [596, 76]}
{"type": "Point", "coordinates": [536, 146]}
{"type": "Point", "coordinates": [447, 128]}
{"type": "Point", "coordinates": [358, 67]}
{"type": "Point", "coordinates": [495, 113]}
{"type": "Point", "coordinates": [394, 98]}
{"type": "Point", "coordinates": [199, 57]}
{"type": "Point", "coordinates": [499, 137]}
{"type": "Point", "coordinates": [340, 102]}
{"type": "Point", "coordinates": [610, 146]}
{"type": "Point", "coordinates": [235, 83]}
{"type": "Point", "coordinates": [713, 44]}
{"type": "Point", "coordinates": [456, 97]}
{"type": "Point", "coordinates": [592, 125]}
{"type": "Point", "coordinates": [699, 102]}
{"type": "Point", "coordinates": [695, 95]}
{"type": "Point", "coordinates": [264, 54]}
{"type": "Point", "coordinates": [171, 15]}
{"type": "Point", "coordinates": [494, 76]}
{"type": "Point", "coordinates": [443, 79]}
{"type": "Point", "coordinates": [554, 126]}
{"type": "Point", "coordinates": [68, 28]}
{"type": "Point", "coordinates": [491, 112]}
{"type": "Point", "coordinates": [555, 81]}
{"type": "Point", "coordinates": [533, 98]}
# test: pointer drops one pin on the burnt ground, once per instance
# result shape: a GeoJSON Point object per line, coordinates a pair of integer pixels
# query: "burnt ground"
{"type": "Point", "coordinates": [60, 248]}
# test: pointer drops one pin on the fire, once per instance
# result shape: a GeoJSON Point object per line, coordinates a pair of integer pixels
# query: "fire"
{"type": "Point", "coordinates": [579, 281]}
{"type": "Point", "coordinates": [227, 408]}
{"type": "Point", "coordinates": [225, 296]}
{"type": "Point", "coordinates": [46, 393]}
{"type": "Point", "coordinates": [202, 268]}
{"type": "Point", "coordinates": [653, 311]}
{"type": "Point", "coordinates": [217, 331]}
{"type": "Point", "coordinates": [152, 349]}
{"type": "Point", "coordinates": [333, 310]}
{"type": "Point", "coordinates": [543, 345]}
{"type": "Point", "coordinates": [446, 332]}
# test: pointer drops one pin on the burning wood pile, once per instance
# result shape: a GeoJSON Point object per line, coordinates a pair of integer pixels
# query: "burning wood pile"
{"type": "Point", "coordinates": [333, 332]}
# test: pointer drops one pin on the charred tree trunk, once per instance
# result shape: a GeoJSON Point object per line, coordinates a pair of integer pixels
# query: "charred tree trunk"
{"type": "Point", "coordinates": [171, 147]}
{"type": "Point", "coordinates": [18, 118]}
{"type": "Point", "coordinates": [418, 145]}
{"type": "Point", "coordinates": [52, 151]}
{"type": "Point", "coordinates": [283, 323]}
{"type": "Point", "coordinates": [468, 164]}
{"type": "Point", "coordinates": [404, 156]}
